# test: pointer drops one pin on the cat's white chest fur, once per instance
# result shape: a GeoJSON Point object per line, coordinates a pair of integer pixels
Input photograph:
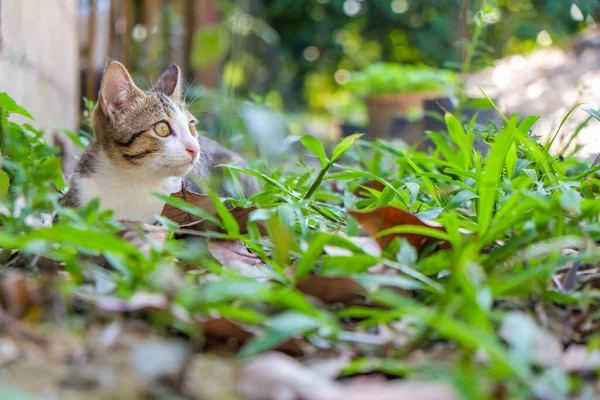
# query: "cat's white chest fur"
{"type": "Point", "coordinates": [129, 195]}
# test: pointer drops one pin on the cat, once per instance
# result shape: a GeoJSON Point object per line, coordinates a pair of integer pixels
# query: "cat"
{"type": "Point", "coordinates": [145, 141]}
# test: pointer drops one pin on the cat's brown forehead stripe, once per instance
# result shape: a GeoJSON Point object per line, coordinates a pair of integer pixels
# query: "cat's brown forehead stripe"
{"type": "Point", "coordinates": [167, 105]}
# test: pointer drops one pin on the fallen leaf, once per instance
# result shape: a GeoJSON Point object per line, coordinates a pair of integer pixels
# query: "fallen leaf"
{"type": "Point", "coordinates": [327, 364]}
{"type": "Point", "coordinates": [226, 330]}
{"type": "Point", "coordinates": [274, 376]}
{"type": "Point", "coordinates": [529, 340]}
{"type": "Point", "coordinates": [367, 244]}
{"type": "Point", "coordinates": [141, 301]}
{"type": "Point", "coordinates": [578, 358]}
{"type": "Point", "coordinates": [211, 376]}
{"type": "Point", "coordinates": [331, 289]}
{"type": "Point", "coordinates": [145, 237]}
{"type": "Point", "coordinates": [222, 328]}
{"type": "Point", "coordinates": [234, 254]}
{"type": "Point", "coordinates": [15, 293]}
{"type": "Point", "coordinates": [182, 217]}
{"type": "Point", "coordinates": [379, 389]}
{"type": "Point", "coordinates": [9, 352]}
{"type": "Point", "coordinates": [160, 358]}
{"type": "Point", "coordinates": [388, 217]}
{"type": "Point", "coordinates": [194, 222]}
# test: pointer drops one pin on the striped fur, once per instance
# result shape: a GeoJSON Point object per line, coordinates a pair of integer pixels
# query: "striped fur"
{"type": "Point", "coordinates": [127, 159]}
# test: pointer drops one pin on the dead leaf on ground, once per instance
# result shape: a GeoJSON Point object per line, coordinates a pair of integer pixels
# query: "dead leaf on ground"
{"type": "Point", "coordinates": [274, 376]}
{"type": "Point", "coordinates": [141, 301]}
{"type": "Point", "coordinates": [388, 217]}
{"type": "Point", "coordinates": [331, 289]}
{"type": "Point", "coordinates": [228, 331]}
{"type": "Point", "coordinates": [531, 341]}
{"type": "Point", "coordinates": [379, 389]}
{"type": "Point", "coordinates": [143, 236]}
{"type": "Point", "coordinates": [578, 358]}
{"type": "Point", "coordinates": [211, 376]}
{"type": "Point", "coordinates": [193, 222]}
{"type": "Point", "coordinates": [327, 363]}
{"type": "Point", "coordinates": [160, 358]}
{"type": "Point", "coordinates": [234, 254]}
{"type": "Point", "coordinates": [182, 217]}
{"type": "Point", "coordinates": [16, 294]}
{"type": "Point", "coordinates": [367, 244]}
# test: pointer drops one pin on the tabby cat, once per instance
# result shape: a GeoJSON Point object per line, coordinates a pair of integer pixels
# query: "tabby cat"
{"type": "Point", "coordinates": [144, 142]}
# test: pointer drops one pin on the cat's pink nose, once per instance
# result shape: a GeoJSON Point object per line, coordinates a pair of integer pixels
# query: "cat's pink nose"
{"type": "Point", "coordinates": [192, 150]}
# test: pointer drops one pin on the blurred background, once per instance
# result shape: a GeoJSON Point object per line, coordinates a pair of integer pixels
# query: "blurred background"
{"type": "Point", "coordinates": [305, 66]}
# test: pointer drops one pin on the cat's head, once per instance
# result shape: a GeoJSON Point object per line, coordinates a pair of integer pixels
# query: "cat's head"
{"type": "Point", "coordinates": [150, 132]}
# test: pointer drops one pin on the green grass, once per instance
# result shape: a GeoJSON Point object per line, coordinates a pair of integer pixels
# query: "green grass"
{"type": "Point", "coordinates": [515, 221]}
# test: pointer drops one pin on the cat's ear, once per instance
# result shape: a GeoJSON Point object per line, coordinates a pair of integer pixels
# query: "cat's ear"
{"type": "Point", "coordinates": [169, 83]}
{"type": "Point", "coordinates": [117, 89]}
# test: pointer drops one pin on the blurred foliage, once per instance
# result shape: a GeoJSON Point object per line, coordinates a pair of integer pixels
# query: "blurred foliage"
{"type": "Point", "coordinates": [324, 41]}
{"type": "Point", "coordinates": [384, 78]}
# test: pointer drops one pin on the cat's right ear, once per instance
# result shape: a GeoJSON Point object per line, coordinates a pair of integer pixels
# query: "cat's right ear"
{"type": "Point", "coordinates": [117, 89]}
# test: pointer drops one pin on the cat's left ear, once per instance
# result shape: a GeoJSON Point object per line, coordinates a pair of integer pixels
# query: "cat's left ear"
{"type": "Point", "coordinates": [169, 83]}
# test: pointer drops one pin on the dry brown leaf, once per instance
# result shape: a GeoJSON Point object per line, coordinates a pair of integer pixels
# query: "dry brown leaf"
{"type": "Point", "coordinates": [183, 218]}
{"type": "Point", "coordinates": [331, 289]}
{"type": "Point", "coordinates": [193, 222]}
{"type": "Point", "coordinates": [227, 330]}
{"type": "Point", "coordinates": [388, 217]}
{"type": "Point", "coordinates": [16, 294]}
{"type": "Point", "coordinates": [234, 254]}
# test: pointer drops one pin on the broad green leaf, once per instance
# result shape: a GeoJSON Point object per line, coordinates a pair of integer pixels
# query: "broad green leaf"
{"type": "Point", "coordinates": [309, 259]}
{"type": "Point", "coordinates": [4, 183]}
{"type": "Point", "coordinates": [344, 265]}
{"type": "Point", "coordinates": [313, 144]}
{"type": "Point", "coordinates": [10, 106]}
{"type": "Point", "coordinates": [102, 242]}
{"type": "Point", "coordinates": [344, 146]}
{"type": "Point", "coordinates": [571, 200]}
{"type": "Point", "coordinates": [229, 222]}
{"type": "Point", "coordinates": [461, 138]}
{"type": "Point", "coordinates": [280, 328]}
{"type": "Point", "coordinates": [461, 198]}
{"type": "Point", "coordinates": [229, 290]}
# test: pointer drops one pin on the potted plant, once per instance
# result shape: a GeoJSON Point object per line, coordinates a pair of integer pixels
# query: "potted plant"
{"type": "Point", "coordinates": [393, 90]}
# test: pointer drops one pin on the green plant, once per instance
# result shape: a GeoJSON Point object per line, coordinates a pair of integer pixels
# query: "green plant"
{"type": "Point", "coordinates": [386, 78]}
{"type": "Point", "coordinates": [513, 258]}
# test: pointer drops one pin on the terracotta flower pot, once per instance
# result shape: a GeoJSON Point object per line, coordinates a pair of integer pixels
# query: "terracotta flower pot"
{"type": "Point", "coordinates": [383, 108]}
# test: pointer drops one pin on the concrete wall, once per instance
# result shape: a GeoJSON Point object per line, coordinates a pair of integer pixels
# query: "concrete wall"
{"type": "Point", "coordinates": [39, 59]}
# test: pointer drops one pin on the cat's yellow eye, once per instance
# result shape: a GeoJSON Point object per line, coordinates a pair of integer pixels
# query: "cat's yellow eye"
{"type": "Point", "coordinates": [192, 127]}
{"type": "Point", "coordinates": [162, 129]}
